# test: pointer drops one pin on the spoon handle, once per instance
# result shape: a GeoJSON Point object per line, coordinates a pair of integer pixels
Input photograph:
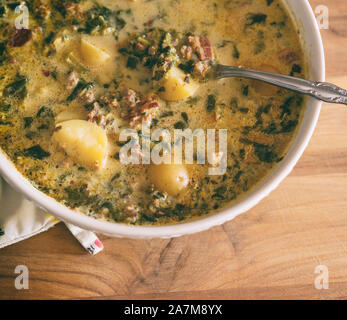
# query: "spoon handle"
{"type": "Point", "coordinates": [320, 90]}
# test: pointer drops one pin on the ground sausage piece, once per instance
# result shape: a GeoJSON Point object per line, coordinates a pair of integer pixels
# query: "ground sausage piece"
{"type": "Point", "coordinates": [87, 96]}
{"type": "Point", "coordinates": [110, 101]}
{"type": "Point", "coordinates": [202, 47]}
{"type": "Point", "coordinates": [288, 56]}
{"type": "Point", "coordinates": [186, 52]}
{"type": "Point", "coordinates": [72, 80]}
{"type": "Point", "coordinates": [201, 68]}
{"type": "Point", "coordinates": [20, 37]}
{"type": "Point", "coordinates": [96, 116]}
{"type": "Point", "coordinates": [130, 98]}
{"type": "Point", "coordinates": [74, 11]}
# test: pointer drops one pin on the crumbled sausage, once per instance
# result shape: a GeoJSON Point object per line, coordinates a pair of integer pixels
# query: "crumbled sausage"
{"type": "Point", "coordinates": [96, 115]}
{"type": "Point", "coordinates": [201, 68]}
{"type": "Point", "coordinates": [137, 109]}
{"type": "Point", "coordinates": [45, 72]}
{"type": "Point", "coordinates": [288, 56]}
{"type": "Point", "coordinates": [20, 37]}
{"type": "Point", "coordinates": [74, 10]}
{"type": "Point", "coordinates": [202, 47]}
{"type": "Point", "coordinates": [132, 210]}
{"type": "Point", "coordinates": [87, 96]}
{"type": "Point", "coordinates": [110, 101]}
{"type": "Point", "coordinates": [186, 52]}
{"type": "Point", "coordinates": [130, 98]}
{"type": "Point", "coordinates": [72, 80]}
{"type": "Point", "coordinates": [43, 12]}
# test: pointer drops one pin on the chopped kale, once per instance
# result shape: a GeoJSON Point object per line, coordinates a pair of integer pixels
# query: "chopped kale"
{"type": "Point", "coordinates": [4, 107]}
{"type": "Point", "coordinates": [265, 153]}
{"type": "Point", "coordinates": [220, 193]}
{"type": "Point", "coordinates": [77, 197]}
{"type": "Point", "coordinates": [180, 125]}
{"type": "Point", "coordinates": [211, 103]}
{"type": "Point", "coordinates": [255, 18]}
{"type": "Point", "coordinates": [245, 90]}
{"type": "Point", "coordinates": [295, 69]}
{"type": "Point", "coordinates": [36, 152]}
{"type": "Point", "coordinates": [17, 89]}
{"type": "Point", "coordinates": [286, 106]}
{"type": "Point", "coordinates": [28, 121]}
{"type": "Point", "coordinates": [45, 112]}
{"type": "Point", "coordinates": [184, 116]}
{"type": "Point", "coordinates": [100, 18]}
{"type": "Point", "coordinates": [2, 10]}
{"type": "Point", "coordinates": [259, 47]}
{"type": "Point", "coordinates": [236, 52]}
{"type": "Point", "coordinates": [49, 39]}
{"type": "Point", "coordinates": [234, 106]}
{"type": "Point", "coordinates": [3, 52]}
{"type": "Point", "coordinates": [166, 114]}
{"type": "Point", "coordinates": [132, 62]}
{"type": "Point", "coordinates": [272, 128]}
{"type": "Point", "coordinates": [82, 85]}
{"type": "Point", "coordinates": [12, 4]}
{"type": "Point", "coordinates": [187, 67]}
{"type": "Point", "coordinates": [289, 126]}
{"type": "Point", "coordinates": [238, 176]}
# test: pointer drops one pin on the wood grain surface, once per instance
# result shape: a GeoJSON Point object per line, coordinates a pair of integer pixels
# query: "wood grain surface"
{"type": "Point", "coordinates": [269, 252]}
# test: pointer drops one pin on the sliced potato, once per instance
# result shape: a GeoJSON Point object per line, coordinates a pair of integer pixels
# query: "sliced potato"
{"type": "Point", "coordinates": [178, 85]}
{"type": "Point", "coordinates": [74, 60]}
{"type": "Point", "coordinates": [92, 55]}
{"type": "Point", "coordinates": [59, 43]}
{"type": "Point", "coordinates": [170, 178]}
{"type": "Point", "coordinates": [83, 141]}
{"type": "Point", "coordinates": [76, 114]}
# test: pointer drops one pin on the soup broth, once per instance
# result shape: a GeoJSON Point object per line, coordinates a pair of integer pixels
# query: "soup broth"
{"type": "Point", "coordinates": [83, 71]}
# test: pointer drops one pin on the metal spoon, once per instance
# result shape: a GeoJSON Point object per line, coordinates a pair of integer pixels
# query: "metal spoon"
{"type": "Point", "coordinates": [319, 90]}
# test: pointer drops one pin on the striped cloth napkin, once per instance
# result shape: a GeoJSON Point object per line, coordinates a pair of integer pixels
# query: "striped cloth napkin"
{"type": "Point", "coordinates": [21, 219]}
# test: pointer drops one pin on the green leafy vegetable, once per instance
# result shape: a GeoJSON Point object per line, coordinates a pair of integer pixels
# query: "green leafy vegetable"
{"type": "Point", "coordinates": [17, 89]}
{"type": "Point", "coordinates": [255, 18]}
{"type": "Point", "coordinates": [36, 152]}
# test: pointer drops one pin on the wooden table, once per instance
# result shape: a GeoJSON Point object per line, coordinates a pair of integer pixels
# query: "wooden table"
{"type": "Point", "coordinates": [270, 252]}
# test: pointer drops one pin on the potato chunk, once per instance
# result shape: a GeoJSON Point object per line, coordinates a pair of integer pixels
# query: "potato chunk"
{"type": "Point", "coordinates": [77, 114]}
{"type": "Point", "coordinates": [178, 85]}
{"type": "Point", "coordinates": [83, 141]}
{"type": "Point", "coordinates": [171, 178]}
{"type": "Point", "coordinates": [92, 55]}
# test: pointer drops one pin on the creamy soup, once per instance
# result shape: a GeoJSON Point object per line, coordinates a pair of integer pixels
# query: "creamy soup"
{"type": "Point", "coordinates": [84, 71]}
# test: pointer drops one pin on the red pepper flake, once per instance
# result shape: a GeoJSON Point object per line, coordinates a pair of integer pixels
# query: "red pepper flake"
{"type": "Point", "coordinates": [46, 73]}
{"type": "Point", "coordinates": [149, 23]}
{"type": "Point", "coordinates": [20, 37]}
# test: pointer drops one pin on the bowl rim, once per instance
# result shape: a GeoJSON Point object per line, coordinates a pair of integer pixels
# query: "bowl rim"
{"type": "Point", "coordinates": [246, 202]}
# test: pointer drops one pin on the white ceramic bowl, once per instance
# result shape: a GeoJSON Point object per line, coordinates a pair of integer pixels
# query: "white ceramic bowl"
{"type": "Point", "coordinates": [302, 12]}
